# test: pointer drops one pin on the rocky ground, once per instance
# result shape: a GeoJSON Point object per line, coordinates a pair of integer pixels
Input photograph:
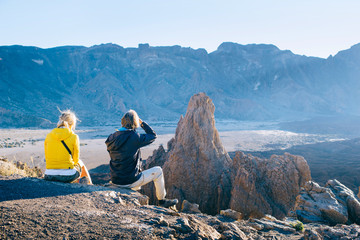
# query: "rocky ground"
{"type": "Point", "coordinates": [32, 208]}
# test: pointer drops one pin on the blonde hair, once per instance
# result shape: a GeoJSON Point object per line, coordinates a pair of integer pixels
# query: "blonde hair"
{"type": "Point", "coordinates": [130, 120]}
{"type": "Point", "coordinates": [67, 119]}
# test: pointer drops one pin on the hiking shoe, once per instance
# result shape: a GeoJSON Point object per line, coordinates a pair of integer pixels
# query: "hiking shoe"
{"type": "Point", "coordinates": [166, 203]}
{"type": "Point", "coordinates": [85, 180]}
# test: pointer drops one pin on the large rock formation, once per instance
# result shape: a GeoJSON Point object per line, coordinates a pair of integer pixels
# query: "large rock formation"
{"type": "Point", "coordinates": [267, 185]}
{"type": "Point", "coordinates": [197, 168]}
{"type": "Point", "coordinates": [332, 204]}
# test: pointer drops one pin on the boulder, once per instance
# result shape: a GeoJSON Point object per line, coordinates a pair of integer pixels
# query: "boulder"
{"type": "Point", "coordinates": [332, 204]}
{"type": "Point", "coordinates": [267, 186]}
{"type": "Point", "coordinates": [188, 207]}
{"type": "Point", "coordinates": [347, 198]}
{"type": "Point", "coordinates": [231, 214]}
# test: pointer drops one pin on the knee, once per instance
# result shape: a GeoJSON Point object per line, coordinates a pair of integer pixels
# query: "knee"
{"type": "Point", "coordinates": [158, 170]}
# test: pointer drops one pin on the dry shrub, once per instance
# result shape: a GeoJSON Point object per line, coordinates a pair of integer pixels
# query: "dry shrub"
{"type": "Point", "coordinates": [8, 168]}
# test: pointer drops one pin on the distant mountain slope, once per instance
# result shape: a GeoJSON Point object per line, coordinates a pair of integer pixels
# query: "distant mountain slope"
{"type": "Point", "coordinates": [248, 82]}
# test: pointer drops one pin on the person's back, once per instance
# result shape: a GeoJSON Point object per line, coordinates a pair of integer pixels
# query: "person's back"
{"type": "Point", "coordinates": [125, 157]}
{"type": "Point", "coordinates": [56, 155]}
{"type": "Point", "coordinates": [124, 149]}
{"type": "Point", "coordinates": [62, 150]}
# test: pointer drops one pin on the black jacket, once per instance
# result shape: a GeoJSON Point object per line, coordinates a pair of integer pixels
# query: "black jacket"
{"type": "Point", "coordinates": [125, 156]}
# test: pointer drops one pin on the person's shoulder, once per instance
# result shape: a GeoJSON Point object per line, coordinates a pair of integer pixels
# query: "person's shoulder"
{"type": "Point", "coordinates": [50, 134]}
{"type": "Point", "coordinates": [74, 136]}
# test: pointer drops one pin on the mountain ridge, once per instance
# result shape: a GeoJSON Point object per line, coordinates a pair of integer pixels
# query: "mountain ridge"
{"type": "Point", "coordinates": [246, 82]}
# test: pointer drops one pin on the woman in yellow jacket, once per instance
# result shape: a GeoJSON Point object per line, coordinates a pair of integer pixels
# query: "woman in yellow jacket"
{"type": "Point", "coordinates": [62, 150]}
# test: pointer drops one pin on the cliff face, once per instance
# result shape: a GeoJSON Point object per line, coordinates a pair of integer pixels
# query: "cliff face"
{"type": "Point", "coordinates": [197, 168]}
{"type": "Point", "coordinates": [101, 82]}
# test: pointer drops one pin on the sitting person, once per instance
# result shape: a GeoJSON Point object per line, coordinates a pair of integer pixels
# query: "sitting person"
{"type": "Point", "coordinates": [62, 150]}
{"type": "Point", "coordinates": [124, 149]}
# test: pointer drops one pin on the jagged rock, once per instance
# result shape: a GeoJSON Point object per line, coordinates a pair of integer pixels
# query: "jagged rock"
{"type": "Point", "coordinates": [310, 234]}
{"type": "Point", "coordinates": [346, 197]}
{"type": "Point", "coordinates": [336, 232]}
{"type": "Point", "coordinates": [231, 231]}
{"type": "Point", "coordinates": [332, 204]}
{"type": "Point", "coordinates": [163, 222]}
{"type": "Point", "coordinates": [136, 198]}
{"type": "Point", "coordinates": [319, 204]}
{"type": "Point", "coordinates": [231, 214]}
{"type": "Point", "coordinates": [197, 168]}
{"type": "Point", "coordinates": [195, 229]}
{"type": "Point", "coordinates": [189, 207]}
{"type": "Point", "coordinates": [182, 225]}
{"type": "Point", "coordinates": [197, 165]}
{"type": "Point", "coordinates": [270, 223]}
{"type": "Point", "coordinates": [267, 186]}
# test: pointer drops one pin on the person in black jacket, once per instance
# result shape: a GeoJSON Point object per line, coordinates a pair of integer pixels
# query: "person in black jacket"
{"type": "Point", "coordinates": [125, 158]}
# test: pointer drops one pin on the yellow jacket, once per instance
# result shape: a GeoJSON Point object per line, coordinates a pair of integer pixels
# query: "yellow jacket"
{"type": "Point", "coordinates": [56, 155]}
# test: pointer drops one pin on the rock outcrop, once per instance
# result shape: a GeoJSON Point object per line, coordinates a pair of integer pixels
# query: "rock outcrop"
{"type": "Point", "coordinates": [197, 168]}
{"type": "Point", "coordinates": [332, 204]}
{"type": "Point", "coordinates": [267, 186]}
{"type": "Point", "coordinates": [31, 208]}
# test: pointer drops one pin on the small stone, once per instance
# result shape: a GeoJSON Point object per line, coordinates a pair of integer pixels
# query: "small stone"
{"type": "Point", "coordinates": [231, 231]}
{"type": "Point", "coordinates": [182, 226]}
{"type": "Point", "coordinates": [163, 222]}
{"type": "Point", "coordinates": [174, 213]}
{"type": "Point", "coordinates": [189, 207]}
{"type": "Point", "coordinates": [311, 235]}
{"type": "Point", "coordinates": [231, 214]}
{"type": "Point", "coordinates": [257, 226]}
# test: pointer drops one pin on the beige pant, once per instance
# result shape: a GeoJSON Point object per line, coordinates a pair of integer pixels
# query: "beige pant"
{"type": "Point", "coordinates": [154, 174]}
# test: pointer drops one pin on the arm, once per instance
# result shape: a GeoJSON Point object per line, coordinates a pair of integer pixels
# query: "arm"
{"type": "Point", "coordinates": [148, 137]}
{"type": "Point", "coordinates": [76, 151]}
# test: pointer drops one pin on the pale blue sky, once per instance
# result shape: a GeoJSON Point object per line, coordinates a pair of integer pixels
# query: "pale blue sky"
{"type": "Point", "coordinates": [309, 27]}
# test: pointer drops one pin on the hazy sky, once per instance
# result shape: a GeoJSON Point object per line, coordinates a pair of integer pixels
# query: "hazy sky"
{"type": "Point", "coordinates": [309, 27]}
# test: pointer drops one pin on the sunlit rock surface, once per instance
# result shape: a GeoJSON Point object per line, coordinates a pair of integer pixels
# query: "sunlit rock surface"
{"type": "Point", "coordinates": [198, 169]}
{"type": "Point", "coordinates": [332, 204]}
{"type": "Point", "coordinates": [267, 186]}
{"type": "Point", "coordinates": [198, 166]}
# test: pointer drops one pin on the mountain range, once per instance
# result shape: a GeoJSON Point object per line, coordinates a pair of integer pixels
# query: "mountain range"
{"type": "Point", "coordinates": [245, 82]}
